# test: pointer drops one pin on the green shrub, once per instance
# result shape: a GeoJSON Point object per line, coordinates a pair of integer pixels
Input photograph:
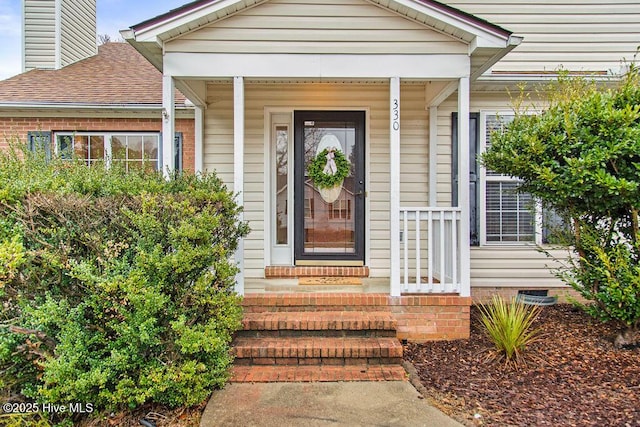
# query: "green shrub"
{"type": "Point", "coordinates": [117, 287]}
{"type": "Point", "coordinates": [509, 326]}
{"type": "Point", "coordinates": [24, 420]}
{"type": "Point", "coordinates": [608, 275]}
{"type": "Point", "coordinates": [580, 156]}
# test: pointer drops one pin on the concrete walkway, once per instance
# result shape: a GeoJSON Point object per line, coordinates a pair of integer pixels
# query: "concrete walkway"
{"type": "Point", "coordinates": [390, 403]}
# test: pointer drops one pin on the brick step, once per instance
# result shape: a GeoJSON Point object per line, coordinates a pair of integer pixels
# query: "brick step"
{"type": "Point", "coordinates": [264, 374]}
{"type": "Point", "coordinates": [317, 351]}
{"type": "Point", "coordinates": [324, 323]}
{"type": "Point", "coordinates": [315, 302]}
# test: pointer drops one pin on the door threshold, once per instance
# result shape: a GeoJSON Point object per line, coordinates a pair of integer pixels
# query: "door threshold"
{"type": "Point", "coordinates": [328, 263]}
{"type": "Point", "coordinates": [283, 272]}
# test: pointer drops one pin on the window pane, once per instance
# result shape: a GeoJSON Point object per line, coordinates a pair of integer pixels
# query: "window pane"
{"type": "Point", "coordinates": [65, 146]}
{"type": "Point", "coordinates": [495, 123]}
{"type": "Point", "coordinates": [509, 216]}
{"type": "Point", "coordinates": [151, 148]}
{"type": "Point", "coordinates": [134, 144]}
{"type": "Point", "coordinates": [118, 148]}
{"type": "Point", "coordinates": [282, 173]}
{"type": "Point", "coordinates": [96, 147]}
{"type": "Point", "coordinates": [81, 146]}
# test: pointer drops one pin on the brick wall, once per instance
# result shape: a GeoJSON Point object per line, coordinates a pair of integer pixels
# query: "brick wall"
{"type": "Point", "coordinates": [430, 318]}
{"type": "Point", "coordinates": [18, 127]}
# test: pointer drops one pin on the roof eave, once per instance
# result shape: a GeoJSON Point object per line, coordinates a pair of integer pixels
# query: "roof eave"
{"type": "Point", "coordinates": [87, 106]}
{"type": "Point", "coordinates": [151, 50]}
{"type": "Point", "coordinates": [500, 52]}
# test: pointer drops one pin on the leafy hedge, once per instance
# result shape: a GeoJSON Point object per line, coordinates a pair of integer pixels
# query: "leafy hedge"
{"type": "Point", "coordinates": [117, 287]}
{"type": "Point", "coordinates": [580, 156]}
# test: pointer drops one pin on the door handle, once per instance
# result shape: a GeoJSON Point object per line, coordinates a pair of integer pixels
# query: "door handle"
{"type": "Point", "coordinates": [361, 193]}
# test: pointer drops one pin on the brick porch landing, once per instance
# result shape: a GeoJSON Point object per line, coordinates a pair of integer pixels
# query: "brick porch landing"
{"type": "Point", "coordinates": [418, 317]}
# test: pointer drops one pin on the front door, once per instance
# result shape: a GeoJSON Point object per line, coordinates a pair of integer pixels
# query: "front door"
{"type": "Point", "coordinates": [329, 221]}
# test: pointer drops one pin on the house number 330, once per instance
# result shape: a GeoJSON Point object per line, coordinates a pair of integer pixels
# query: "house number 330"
{"type": "Point", "coordinates": [395, 108]}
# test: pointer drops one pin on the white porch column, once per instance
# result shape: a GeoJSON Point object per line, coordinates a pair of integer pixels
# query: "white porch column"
{"type": "Point", "coordinates": [199, 140]}
{"type": "Point", "coordinates": [463, 186]}
{"type": "Point", "coordinates": [238, 168]}
{"type": "Point", "coordinates": [433, 156]}
{"type": "Point", "coordinates": [168, 125]}
{"type": "Point", "coordinates": [394, 183]}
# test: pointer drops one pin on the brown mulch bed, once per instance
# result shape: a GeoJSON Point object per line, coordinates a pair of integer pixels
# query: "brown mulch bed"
{"type": "Point", "coordinates": [574, 376]}
{"type": "Point", "coordinates": [159, 415]}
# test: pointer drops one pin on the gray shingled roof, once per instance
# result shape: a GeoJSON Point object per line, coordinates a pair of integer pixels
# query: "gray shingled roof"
{"type": "Point", "coordinates": [117, 75]}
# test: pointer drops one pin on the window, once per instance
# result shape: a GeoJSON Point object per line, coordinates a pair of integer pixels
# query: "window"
{"type": "Point", "coordinates": [509, 216]}
{"type": "Point", "coordinates": [133, 150]}
{"type": "Point", "coordinates": [308, 208]}
{"type": "Point", "coordinates": [340, 209]}
{"type": "Point", "coordinates": [281, 156]}
{"type": "Point", "coordinates": [38, 141]}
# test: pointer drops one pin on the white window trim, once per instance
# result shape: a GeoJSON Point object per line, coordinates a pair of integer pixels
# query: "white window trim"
{"type": "Point", "coordinates": [483, 179]}
{"type": "Point", "coordinates": [107, 141]}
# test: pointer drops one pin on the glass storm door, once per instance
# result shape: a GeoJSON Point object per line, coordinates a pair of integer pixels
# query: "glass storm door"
{"type": "Point", "coordinates": [329, 223]}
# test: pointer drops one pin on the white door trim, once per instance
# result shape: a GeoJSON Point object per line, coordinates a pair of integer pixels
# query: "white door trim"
{"type": "Point", "coordinates": [269, 112]}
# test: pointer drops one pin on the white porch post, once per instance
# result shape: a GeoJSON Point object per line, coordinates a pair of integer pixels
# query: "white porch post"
{"type": "Point", "coordinates": [238, 168]}
{"type": "Point", "coordinates": [199, 142]}
{"type": "Point", "coordinates": [394, 183]}
{"type": "Point", "coordinates": [433, 156]}
{"type": "Point", "coordinates": [168, 125]}
{"type": "Point", "coordinates": [463, 186]}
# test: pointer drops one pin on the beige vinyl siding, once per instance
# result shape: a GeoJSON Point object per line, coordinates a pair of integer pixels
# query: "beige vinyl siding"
{"type": "Point", "coordinates": [514, 266]}
{"type": "Point", "coordinates": [78, 30]}
{"type": "Point", "coordinates": [39, 17]}
{"type": "Point", "coordinates": [372, 97]}
{"type": "Point", "coordinates": [316, 26]}
{"type": "Point", "coordinates": [581, 35]}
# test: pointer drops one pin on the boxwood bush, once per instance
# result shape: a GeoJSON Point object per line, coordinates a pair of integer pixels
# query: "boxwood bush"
{"type": "Point", "coordinates": [117, 288]}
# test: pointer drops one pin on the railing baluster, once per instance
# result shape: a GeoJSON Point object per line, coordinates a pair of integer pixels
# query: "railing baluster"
{"type": "Point", "coordinates": [443, 271]}
{"type": "Point", "coordinates": [454, 251]}
{"type": "Point", "coordinates": [405, 240]}
{"type": "Point", "coordinates": [430, 250]}
{"type": "Point", "coordinates": [418, 278]}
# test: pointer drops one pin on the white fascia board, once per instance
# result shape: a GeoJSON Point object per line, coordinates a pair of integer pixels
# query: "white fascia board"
{"type": "Point", "coordinates": [480, 42]}
{"type": "Point", "coordinates": [128, 34]}
{"type": "Point", "coordinates": [449, 19]}
{"type": "Point", "coordinates": [315, 66]}
{"type": "Point", "coordinates": [161, 29]}
{"type": "Point", "coordinates": [67, 106]}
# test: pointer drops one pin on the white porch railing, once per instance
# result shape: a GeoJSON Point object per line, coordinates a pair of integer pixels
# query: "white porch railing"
{"type": "Point", "coordinates": [430, 250]}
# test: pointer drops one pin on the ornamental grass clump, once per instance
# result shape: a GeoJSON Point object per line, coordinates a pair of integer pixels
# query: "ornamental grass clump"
{"type": "Point", "coordinates": [509, 326]}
